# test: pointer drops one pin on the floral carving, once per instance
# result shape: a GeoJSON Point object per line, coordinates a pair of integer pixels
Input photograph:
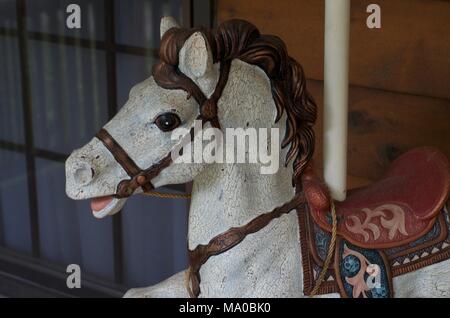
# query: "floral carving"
{"type": "Point", "coordinates": [394, 225]}
{"type": "Point", "coordinates": [357, 281]}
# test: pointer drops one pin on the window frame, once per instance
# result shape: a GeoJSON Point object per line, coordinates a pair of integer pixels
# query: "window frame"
{"type": "Point", "coordinates": [29, 275]}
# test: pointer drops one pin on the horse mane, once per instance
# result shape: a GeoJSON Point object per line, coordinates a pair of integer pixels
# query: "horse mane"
{"type": "Point", "coordinates": [239, 39]}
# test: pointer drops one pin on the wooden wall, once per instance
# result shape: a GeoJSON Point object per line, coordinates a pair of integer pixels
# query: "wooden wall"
{"type": "Point", "coordinates": [399, 74]}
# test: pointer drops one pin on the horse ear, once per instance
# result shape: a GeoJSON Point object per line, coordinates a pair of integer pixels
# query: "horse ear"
{"type": "Point", "coordinates": [167, 23]}
{"type": "Point", "coordinates": [195, 58]}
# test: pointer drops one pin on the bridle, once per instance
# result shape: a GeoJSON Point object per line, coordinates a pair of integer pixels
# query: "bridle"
{"type": "Point", "coordinates": [143, 177]}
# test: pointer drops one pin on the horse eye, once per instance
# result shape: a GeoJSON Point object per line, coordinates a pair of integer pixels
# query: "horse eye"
{"type": "Point", "coordinates": [167, 121]}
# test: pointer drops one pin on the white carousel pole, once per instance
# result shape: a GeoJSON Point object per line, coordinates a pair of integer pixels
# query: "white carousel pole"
{"type": "Point", "coordinates": [337, 33]}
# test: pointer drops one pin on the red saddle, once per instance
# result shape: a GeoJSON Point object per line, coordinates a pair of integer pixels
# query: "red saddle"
{"type": "Point", "coordinates": [396, 210]}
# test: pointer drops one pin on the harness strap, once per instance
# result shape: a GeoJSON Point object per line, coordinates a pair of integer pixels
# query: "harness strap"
{"type": "Point", "coordinates": [119, 154]}
{"type": "Point", "coordinates": [230, 238]}
{"type": "Point", "coordinates": [208, 113]}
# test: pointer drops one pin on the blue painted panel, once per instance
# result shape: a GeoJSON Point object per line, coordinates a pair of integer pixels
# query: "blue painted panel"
{"type": "Point", "coordinates": [155, 239]}
{"type": "Point", "coordinates": [142, 18]}
{"type": "Point", "coordinates": [11, 116]}
{"type": "Point", "coordinates": [8, 16]}
{"type": "Point", "coordinates": [14, 215]}
{"type": "Point", "coordinates": [69, 232]}
{"type": "Point", "coordinates": [68, 95]}
{"type": "Point", "coordinates": [131, 70]}
{"type": "Point", "coordinates": [49, 16]}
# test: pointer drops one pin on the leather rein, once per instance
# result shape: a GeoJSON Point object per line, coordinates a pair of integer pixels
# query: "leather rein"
{"type": "Point", "coordinates": [229, 239]}
{"type": "Point", "coordinates": [142, 178]}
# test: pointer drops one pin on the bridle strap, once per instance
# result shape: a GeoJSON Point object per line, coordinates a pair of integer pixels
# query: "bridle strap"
{"type": "Point", "coordinates": [143, 178]}
{"type": "Point", "coordinates": [118, 153]}
{"type": "Point", "coordinates": [230, 238]}
{"type": "Point", "coordinates": [208, 110]}
{"type": "Point", "coordinates": [125, 161]}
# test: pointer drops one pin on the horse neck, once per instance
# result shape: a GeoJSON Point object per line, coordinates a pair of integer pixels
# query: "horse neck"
{"type": "Point", "coordinates": [231, 195]}
{"type": "Point", "coordinates": [228, 195]}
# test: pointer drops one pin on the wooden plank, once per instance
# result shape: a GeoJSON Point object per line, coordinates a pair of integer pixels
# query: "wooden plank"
{"type": "Point", "coordinates": [409, 54]}
{"type": "Point", "coordinates": [353, 181]}
{"type": "Point", "coordinates": [383, 125]}
{"type": "Point", "coordinates": [299, 23]}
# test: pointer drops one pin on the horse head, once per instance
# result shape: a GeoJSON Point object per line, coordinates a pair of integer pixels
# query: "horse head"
{"type": "Point", "coordinates": [229, 78]}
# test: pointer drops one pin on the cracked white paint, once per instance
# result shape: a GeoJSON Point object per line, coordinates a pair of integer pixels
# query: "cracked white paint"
{"type": "Point", "coordinates": [167, 23]}
{"type": "Point", "coordinates": [266, 263]}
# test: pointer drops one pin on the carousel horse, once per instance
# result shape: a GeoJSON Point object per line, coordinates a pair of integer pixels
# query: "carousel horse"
{"type": "Point", "coordinates": [264, 235]}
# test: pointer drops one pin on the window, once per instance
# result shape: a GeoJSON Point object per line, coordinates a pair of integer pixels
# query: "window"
{"type": "Point", "coordinates": [58, 86]}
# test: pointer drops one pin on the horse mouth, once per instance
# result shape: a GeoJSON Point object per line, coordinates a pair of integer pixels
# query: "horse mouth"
{"type": "Point", "coordinates": [106, 205]}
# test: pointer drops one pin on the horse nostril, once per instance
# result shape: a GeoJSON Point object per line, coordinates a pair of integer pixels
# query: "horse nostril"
{"type": "Point", "coordinates": [83, 174]}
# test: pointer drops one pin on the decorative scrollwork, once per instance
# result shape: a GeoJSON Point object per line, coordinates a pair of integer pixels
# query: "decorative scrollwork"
{"type": "Point", "coordinates": [394, 225]}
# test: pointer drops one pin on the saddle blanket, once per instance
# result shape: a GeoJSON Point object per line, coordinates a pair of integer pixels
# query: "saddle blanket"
{"type": "Point", "coordinates": [359, 272]}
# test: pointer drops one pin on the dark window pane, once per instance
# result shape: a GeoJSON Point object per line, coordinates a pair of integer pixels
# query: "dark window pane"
{"type": "Point", "coordinates": [14, 215]}
{"type": "Point", "coordinates": [50, 16]}
{"type": "Point", "coordinates": [142, 19]}
{"type": "Point", "coordinates": [11, 119]}
{"type": "Point", "coordinates": [69, 232]}
{"type": "Point", "coordinates": [154, 238]}
{"type": "Point", "coordinates": [68, 94]}
{"type": "Point", "coordinates": [131, 70]}
{"type": "Point", "coordinates": [8, 14]}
